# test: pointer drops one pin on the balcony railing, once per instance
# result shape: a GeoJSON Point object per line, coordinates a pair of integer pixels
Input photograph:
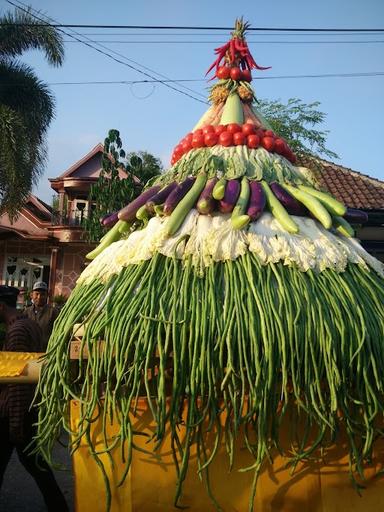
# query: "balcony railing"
{"type": "Point", "coordinates": [73, 217]}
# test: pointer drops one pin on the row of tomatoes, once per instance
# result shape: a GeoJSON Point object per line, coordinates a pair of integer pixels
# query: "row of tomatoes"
{"type": "Point", "coordinates": [233, 135]}
{"type": "Point", "coordinates": [233, 72]}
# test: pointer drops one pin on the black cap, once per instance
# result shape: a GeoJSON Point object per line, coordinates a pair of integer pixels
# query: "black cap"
{"type": "Point", "coordinates": [8, 291]}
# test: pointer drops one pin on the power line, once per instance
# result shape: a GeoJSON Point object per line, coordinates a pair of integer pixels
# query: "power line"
{"type": "Point", "coordinates": [109, 55]}
{"type": "Point", "coordinates": [280, 77]}
{"type": "Point", "coordinates": [222, 42]}
{"type": "Point", "coordinates": [175, 27]}
{"type": "Point", "coordinates": [205, 34]}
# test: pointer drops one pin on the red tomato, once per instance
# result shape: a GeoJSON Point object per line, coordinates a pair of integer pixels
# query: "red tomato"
{"type": "Point", "coordinates": [199, 131]}
{"type": "Point", "coordinates": [223, 72]}
{"type": "Point", "coordinates": [268, 143]}
{"type": "Point", "coordinates": [248, 128]}
{"type": "Point", "coordinates": [186, 146]}
{"type": "Point", "coordinates": [269, 133]}
{"type": "Point", "coordinates": [238, 138]}
{"type": "Point", "coordinates": [260, 133]}
{"type": "Point", "coordinates": [235, 73]}
{"type": "Point", "coordinates": [246, 75]}
{"type": "Point", "coordinates": [226, 139]}
{"type": "Point", "coordinates": [198, 141]}
{"type": "Point", "coordinates": [208, 129]}
{"type": "Point", "coordinates": [220, 128]}
{"type": "Point", "coordinates": [280, 146]}
{"type": "Point", "coordinates": [210, 139]}
{"type": "Point", "coordinates": [178, 149]}
{"type": "Point", "coordinates": [233, 128]}
{"type": "Point", "coordinates": [253, 141]}
{"type": "Point", "coordinates": [188, 137]}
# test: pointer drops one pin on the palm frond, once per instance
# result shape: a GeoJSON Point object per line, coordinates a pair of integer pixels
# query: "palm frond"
{"type": "Point", "coordinates": [24, 93]}
{"type": "Point", "coordinates": [20, 31]}
{"type": "Point", "coordinates": [21, 161]}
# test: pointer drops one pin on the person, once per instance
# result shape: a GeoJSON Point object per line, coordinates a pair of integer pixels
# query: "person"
{"type": "Point", "coordinates": [17, 418]}
{"type": "Point", "coordinates": [42, 312]}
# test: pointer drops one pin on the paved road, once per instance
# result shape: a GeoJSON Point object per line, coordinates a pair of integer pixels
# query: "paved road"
{"type": "Point", "coordinates": [19, 492]}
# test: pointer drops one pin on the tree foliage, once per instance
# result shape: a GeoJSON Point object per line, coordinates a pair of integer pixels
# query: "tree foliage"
{"type": "Point", "coordinates": [297, 123]}
{"type": "Point", "coordinates": [121, 179]}
{"type": "Point", "coordinates": [26, 106]}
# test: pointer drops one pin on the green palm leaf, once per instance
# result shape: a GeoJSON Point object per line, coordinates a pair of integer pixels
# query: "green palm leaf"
{"type": "Point", "coordinates": [26, 106]}
{"type": "Point", "coordinates": [20, 31]}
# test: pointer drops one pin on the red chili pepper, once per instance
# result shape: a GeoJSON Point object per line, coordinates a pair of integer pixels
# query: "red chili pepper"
{"type": "Point", "coordinates": [232, 50]}
{"type": "Point", "coordinates": [248, 62]}
{"type": "Point", "coordinates": [240, 46]}
{"type": "Point", "coordinates": [261, 67]}
{"type": "Point", "coordinates": [221, 48]}
{"type": "Point", "coordinates": [221, 54]}
{"type": "Point", "coordinates": [212, 66]}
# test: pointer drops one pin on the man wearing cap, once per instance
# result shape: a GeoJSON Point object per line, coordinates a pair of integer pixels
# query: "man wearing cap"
{"type": "Point", "coordinates": [42, 312]}
{"type": "Point", "coordinates": [16, 419]}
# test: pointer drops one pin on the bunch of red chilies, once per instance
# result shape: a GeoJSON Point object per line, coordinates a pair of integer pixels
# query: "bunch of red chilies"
{"type": "Point", "coordinates": [236, 50]}
{"type": "Point", "coordinates": [233, 134]}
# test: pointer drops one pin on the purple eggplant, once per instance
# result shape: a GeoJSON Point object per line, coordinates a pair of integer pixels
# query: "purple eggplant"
{"type": "Point", "coordinates": [257, 200]}
{"type": "Point", "coordinates": [206, 203]}
{"type": "Point", "coordinates": [355, 216]}
{"type": "Point", "coordinates": [232, 192]}
{"type": "Point", "coordinates": [129, 212]}
{"type": "Point", "coordinates": [109, 220]}
{"type": "Point", "coordinates": [160, 197]}
{"type": "Point", "coordinates": [104, 217]}
{"type": "Point", "coordinates": [177, 195]}
{"type": "Point", "coordinates": [291, 204]}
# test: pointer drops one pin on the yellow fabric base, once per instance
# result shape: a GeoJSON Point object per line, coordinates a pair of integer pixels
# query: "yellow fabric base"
{"type": "Point", "coordinates": [151, 483]}
{"type": "Point", "coordinates": [13, 364]}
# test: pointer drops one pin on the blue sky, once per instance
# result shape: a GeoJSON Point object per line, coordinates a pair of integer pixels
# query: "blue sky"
{"type": "Point", "coordinates": [154, 118]}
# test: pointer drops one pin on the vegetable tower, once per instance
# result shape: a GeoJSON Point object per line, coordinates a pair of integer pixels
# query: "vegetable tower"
{"type": "Point", "coordinates": [229, 294]}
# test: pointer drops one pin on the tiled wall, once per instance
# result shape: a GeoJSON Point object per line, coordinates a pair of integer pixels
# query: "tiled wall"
{"type": "Point", "coordinates": [70, 261]}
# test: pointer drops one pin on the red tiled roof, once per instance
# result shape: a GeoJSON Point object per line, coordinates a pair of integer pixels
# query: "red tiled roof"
{"type": "Point", "coordinates": [354, 189]}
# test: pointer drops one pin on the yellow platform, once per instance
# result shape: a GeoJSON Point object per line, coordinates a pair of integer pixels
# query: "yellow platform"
{"type": "Point", "coordinates": [150, 485]}
{"type": "Point", "coordinates": [22, 366]}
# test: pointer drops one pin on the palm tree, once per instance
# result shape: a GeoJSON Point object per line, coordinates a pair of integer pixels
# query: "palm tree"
{"type": "Point", "coordinates": [26, 105]}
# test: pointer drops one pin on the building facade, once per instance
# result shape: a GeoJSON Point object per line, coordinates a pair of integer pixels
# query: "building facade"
{"type": "Point", "coordinates": [48, 244]}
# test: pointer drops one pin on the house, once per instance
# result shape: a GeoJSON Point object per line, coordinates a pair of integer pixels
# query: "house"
{"type": "Point", "coordinates": [48, 244]}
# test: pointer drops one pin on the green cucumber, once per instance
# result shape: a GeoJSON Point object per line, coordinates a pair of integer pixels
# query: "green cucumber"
{"type": "Point", "coordinates": [113, 235]}
{"type": "Point", "coordinates": [238, 217]}
{"type": "Point", "coordinates": [334, 206]}
{"type": "Point", "coordinates": [343, 227]}
{"type": "Point", "coordinates": [233, 110]}
{"type": "Point", "coordinates": [124, 226]}
{"type": "Point", "coordinates": [278, 210]}
{"type": "Point", "coordinates": [240, 221]}
{"type": "Point", "coordinates": [219, 189]}
{"type": "Point", "coordinates": [142, 213]}
{"type": "Point", "coordinates": [178, 215]}
{"type": "Point", "coordinates": [313, 205]}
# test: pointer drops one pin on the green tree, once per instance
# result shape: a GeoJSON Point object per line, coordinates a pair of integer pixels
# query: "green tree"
{"type": "Point", "coordinates": [297, 123]}
{"type": "Point", "coordinates": [121, 179]}
{"type": "Point", "coordinates": [26, 106]}
{"type": "Point", "coordinates": [144, 165]}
